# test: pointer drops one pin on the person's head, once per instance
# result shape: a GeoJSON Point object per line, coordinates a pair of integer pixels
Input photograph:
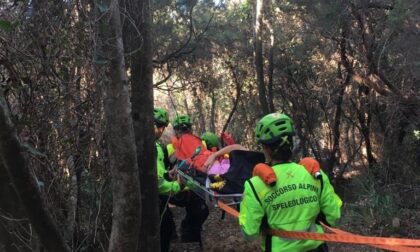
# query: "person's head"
{"type": "Point", "coordinates": [275, 132]}
{"type": "Point", "coordinates": [161, 118]}
{"type": "Point", "coordinates": [182, 124]}
{"type": "Point", "coordinates": [211, 140]}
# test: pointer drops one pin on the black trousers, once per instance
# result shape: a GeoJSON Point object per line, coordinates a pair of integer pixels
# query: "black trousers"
{"type": "Point", "coordinates": [196, 214]}
{"type": "Point", "coordinates": [167, 226]}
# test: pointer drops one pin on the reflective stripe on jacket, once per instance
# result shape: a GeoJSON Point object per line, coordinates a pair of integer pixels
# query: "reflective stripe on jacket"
{"type": "Point", "coordinates": [293, 204]}
{"type": "Point", "coordinates": [164, 186]}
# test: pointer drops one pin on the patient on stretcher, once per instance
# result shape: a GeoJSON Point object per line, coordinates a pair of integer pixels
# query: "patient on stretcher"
{"type": "Point", "coordinates": [227, 168]}
{"type": "Point", "coordinates": [195, 160]}
{"type": "Point", "coordinates": [219, 167]}
{"type": "Point", "coordinates": [228, 177]}
{"type": "Point", "coordinates": [246, 164]}
{"type": "Point", "coordinates": [191, 152]}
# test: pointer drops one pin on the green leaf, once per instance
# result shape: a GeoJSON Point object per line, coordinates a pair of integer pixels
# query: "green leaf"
{"type": "Point", "coordinates": [6, 25]}
{"type": "Point", "coordinates": [417, 134]}
{"type": "Point", "coordinates": [40, 183]}
{"type": "Point", "coordinates": [32, 150]}
{"type": "Point", "coordinates": [100, 60]}
{"type": "Point", "coordinates": [103, 7]}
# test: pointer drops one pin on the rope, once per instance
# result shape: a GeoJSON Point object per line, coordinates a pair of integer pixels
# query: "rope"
{"type": "Point", "coordinates": [388, 247]}
{"type": "Point", "coordinates": [197, 151]}
{"type": "Point", "coordinates": [337, 235]}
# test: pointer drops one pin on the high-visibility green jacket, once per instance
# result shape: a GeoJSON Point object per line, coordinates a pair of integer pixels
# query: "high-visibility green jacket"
{"type": "Point", "coordinates": [293, 204]}
{"type": "Point", "coordinates": [164, 186]}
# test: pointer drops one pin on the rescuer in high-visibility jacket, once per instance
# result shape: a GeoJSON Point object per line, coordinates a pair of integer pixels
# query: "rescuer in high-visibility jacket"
{"type": "Point", "coordinates": [185, 146]}
{"type": "Point", "coordinates": [165, 187]}
{"type": "Point", "coordinates": [295, 203]}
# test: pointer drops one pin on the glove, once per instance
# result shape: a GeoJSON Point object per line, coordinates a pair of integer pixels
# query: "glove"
{"type": "Point", "coordinates": [218, 185]}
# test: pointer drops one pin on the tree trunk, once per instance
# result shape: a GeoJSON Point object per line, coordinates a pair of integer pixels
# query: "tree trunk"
{"type": "Point", "coordinates": [237, 98]}
{"type": "Point", "coordinates": [270, 77]}
{"type": "Point", "coordinates": [75, 160]}
{"type": "Point", "coordinates": [199, 108]}
{"type": "Point", "coordinates": [213, 112]}
{"type": "Point", "coordinates": [337, 117]}
{"type": "Point", "coordinates": [269, 23]}
{"type": "Point", "coordinates": [25, 185]}
{"type": "Point", "coordinates": [142, 100]}
{"type": "Point", "coordinates": [336, 128]}
{"type": "Point", "coordinates": [120, 138]}
{"type": "Point", "coordinates": [365, 120]}
{"type": "Point", "coordinates": [79, 165]}
{"type": "Point", "coordinates": [9, 207]}
{"type": "Point", "coordinates": [258, 57]}
{"type": "Point", "coordinates": [187, 108]}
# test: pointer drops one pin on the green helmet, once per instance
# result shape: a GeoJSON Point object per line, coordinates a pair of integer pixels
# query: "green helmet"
{"type": "Point", "coordinates": [161, 116]}
{"type": "Point", "coordinates": [210, 139]}
{"type": "Point", "coordinates": [181, 121]}
{"type": "Point", "coordinates": [275, 127]}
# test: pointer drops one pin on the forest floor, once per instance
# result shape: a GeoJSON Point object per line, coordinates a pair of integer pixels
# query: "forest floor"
{"type": "Point", "coordinates": [358, 216]}
{"type": "Point", "coordinates": [224, 235]}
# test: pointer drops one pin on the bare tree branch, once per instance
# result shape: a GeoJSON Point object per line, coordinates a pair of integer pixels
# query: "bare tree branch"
{"type": "Point", "coordinates": [11, 153]}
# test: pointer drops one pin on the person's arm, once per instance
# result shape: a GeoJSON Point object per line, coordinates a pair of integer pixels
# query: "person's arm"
{"type": "Point", "coordinates": [330, 202]}
{"type": "Point", "coordinates": [251, 214]}
{"type": "Point", "coordinates": [165, 186]}
{"type": "Point", "coordinates": [210, 160]}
